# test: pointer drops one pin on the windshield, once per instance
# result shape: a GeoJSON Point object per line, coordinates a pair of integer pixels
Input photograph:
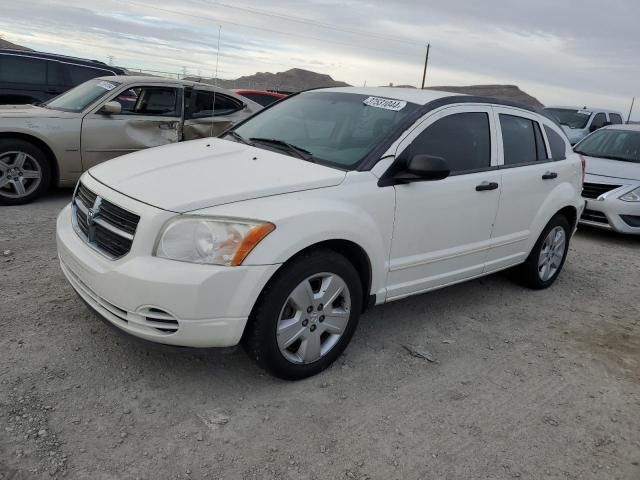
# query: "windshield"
{"type": "Point", "coordinates": [569, 117]}
{"type": "Point", "coordinates": [337, 129]}
{"type": "Point", "coordinates": [80, 97]}
{"type": "Point", "coordinates": [614, 144]}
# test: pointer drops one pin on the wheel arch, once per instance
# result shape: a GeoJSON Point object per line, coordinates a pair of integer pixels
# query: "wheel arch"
{"type": "Point", "coordinates": [571, 214]}
{"type": "Point", "coordinates": [51, 157]}
{"type": "Point", "coordinates": [353, 252]}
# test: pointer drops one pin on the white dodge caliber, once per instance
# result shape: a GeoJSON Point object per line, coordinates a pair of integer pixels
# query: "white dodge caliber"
{"type": "Point", "coordinates": [282, 232]}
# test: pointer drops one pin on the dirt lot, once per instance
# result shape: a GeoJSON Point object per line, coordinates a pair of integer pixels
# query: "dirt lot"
{"type": "Point", "coordinates": [525, 384]}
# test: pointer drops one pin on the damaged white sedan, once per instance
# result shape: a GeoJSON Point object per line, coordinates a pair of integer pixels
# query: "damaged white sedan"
{"type": "Point", "coordinates": [53, 143]}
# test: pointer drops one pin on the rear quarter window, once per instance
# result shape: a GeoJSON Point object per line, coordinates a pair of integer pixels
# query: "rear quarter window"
{"type": "Point", "coordinates": [78, 74]}
{"type": "Point", "coordinates": [557, 144]}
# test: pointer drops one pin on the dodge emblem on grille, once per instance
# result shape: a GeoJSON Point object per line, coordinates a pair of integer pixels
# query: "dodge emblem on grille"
{"type": "Point", "coordinates": [90, 216]}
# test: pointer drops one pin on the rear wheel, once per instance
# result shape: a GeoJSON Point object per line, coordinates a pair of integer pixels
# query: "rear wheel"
{"type": "Point", "coordinates": [306, 316]}
{"type": "Point", "coordinates": [25, 172]}
{"type": "Point", "coordinates": [548, 255]}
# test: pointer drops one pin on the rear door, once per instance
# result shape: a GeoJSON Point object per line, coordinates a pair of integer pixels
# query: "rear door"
{"type": "Point", "coordinates": [211, 113]}
{"type": "Point", "coordinates": [529, 175]}
{"type": "Point", "coordinates": [151, 116]}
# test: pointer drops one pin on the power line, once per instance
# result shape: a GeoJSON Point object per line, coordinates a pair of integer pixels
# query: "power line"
{"type": "Point", "coordinates": [307, 21]}
{"type": "Point", "coordinates": [244, 25]}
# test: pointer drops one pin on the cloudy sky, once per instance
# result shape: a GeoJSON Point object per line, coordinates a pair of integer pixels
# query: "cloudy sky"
{"type": "Point", "coordinates": [577, 52]}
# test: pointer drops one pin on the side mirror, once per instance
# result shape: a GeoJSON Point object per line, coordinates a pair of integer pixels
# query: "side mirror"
{"type": "Point", "coordinates": [111, 108]}
{"type": "Point", "coordinates": [427, 167]}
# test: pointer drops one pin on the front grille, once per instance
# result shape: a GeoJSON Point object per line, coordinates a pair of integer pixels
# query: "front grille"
{"type": "Point", "coordinates": [105, 226]}
{"type": "Point", "coordinates": [594, 216]}
{"type": "Point", "coordinates": [594, 190]}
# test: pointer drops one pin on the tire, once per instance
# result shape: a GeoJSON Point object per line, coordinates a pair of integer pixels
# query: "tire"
{"type": "Point", "coordinates": [532, 273]}
{"type": "Point", "coordinates": [22, 163]}
{"type": "Point", "coordinates": [308, 330]}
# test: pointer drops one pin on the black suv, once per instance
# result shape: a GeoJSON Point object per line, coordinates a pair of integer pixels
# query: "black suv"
{"type": "Point", "coordinates": [35, 77]}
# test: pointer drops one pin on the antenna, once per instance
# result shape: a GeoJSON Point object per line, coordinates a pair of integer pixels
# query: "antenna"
{"type": "Point", "coordinates": [215, 83]}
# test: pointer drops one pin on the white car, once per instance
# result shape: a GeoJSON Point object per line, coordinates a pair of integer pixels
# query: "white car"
{"type": "Point", "coordinates": [284, 231]}
{"type": "Point", "coordinates": [577, 123]}
{"type": "Point", "coordinates": [612, 183]}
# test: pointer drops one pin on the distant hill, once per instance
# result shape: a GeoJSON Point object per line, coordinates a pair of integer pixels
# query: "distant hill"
{"type": "Point", "coordinates": [7, 44]}
{"type": "Point", "coordinates": [292, 80]}
{"type": "Point", "coordinates": [504, 92]}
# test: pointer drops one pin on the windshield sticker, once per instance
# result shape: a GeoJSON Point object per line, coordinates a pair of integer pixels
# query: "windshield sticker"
{"type": "Point", "coordinates": [387, 104]}
{"type": "Point", "coordinates": [583, 112]}
{"type": "Point", "coordinates": [106, 85]}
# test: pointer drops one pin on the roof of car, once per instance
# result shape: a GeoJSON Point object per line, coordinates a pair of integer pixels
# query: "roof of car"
{"type": "Point", "coordinates": [55, 56]}
{"type": "Point", "coordinates": [413, 95]}
{"type": "Point", "coordinates": [589, 109]}
{"type": "Point", "coordinates": [127, 79]}
{"type": "Point", "coordinates": [634, 127]}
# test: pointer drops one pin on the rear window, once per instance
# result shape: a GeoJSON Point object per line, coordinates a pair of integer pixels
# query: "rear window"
{"type": "Point", "coordinates": [615, 119]}
{"type": "Point", "coordinates": [261, 98]}
{"type": "Point", "coordinates": [522, 140]}
{"type": "Point", "coordinates": [23, 70]}
{"type": "Point", "coordinates": [203, 105]}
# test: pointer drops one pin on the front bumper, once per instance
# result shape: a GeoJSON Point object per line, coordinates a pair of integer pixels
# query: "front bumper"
{"type": "Point", "coordinates": [161, 300]}
{"type": "Point", "coordinates": [610, 213]}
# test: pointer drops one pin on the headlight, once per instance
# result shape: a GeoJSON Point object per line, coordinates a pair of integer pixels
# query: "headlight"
{"type": "Point", "coordinates": [632, 196]}
{"type": "Point", "coordinates": [212, 241]}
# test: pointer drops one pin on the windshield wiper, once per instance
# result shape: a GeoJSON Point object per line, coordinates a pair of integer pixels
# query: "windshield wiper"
{"type": "Point", "coordinates": [297, 151]}
{"type": "Point", "coordinates": [240, 138]}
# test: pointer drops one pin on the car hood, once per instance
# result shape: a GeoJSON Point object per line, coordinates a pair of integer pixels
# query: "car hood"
{"type": "Point", "coordinates": [573, 134]}
{"type": "Point", "coordinates": [614, 169]}
{"type": "Point", "coordinates": [208, 172]}
{"type": "Point", "coordinates": [32, 111]}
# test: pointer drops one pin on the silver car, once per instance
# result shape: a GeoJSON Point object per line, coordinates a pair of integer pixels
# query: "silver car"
{"type": "Point", "coordinates": [612, 181]}
{"type": "Point", "coordinates": [52, 144]}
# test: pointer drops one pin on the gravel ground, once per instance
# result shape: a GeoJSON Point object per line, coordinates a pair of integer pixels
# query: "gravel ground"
{"type": "Point", "coordinates": [519, 384]}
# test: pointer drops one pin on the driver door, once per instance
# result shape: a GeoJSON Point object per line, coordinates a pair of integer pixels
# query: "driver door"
{"type": "Point", "coordinates": [151, 116]}
{"type": "Point", "coordinates": [442, 229]}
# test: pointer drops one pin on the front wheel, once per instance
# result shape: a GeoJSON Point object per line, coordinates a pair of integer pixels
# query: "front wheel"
{"type": "Point", "coordinates": [548, 255]}
{"type": "Point", "coordinates": [306, 316]}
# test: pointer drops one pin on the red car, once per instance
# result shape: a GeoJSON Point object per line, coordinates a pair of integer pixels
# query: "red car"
{"type": "Point", "coordinates": [262, 97]}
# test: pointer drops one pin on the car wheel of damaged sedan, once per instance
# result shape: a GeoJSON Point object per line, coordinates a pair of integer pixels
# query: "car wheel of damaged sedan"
{"type": "Point", "coordinates": [24, 172]}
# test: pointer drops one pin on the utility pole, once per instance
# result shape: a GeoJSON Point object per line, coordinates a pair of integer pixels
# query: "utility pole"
{"type": "Point", "coordinates": [426, 62]}
{"type": "Point", "coordinates": [631, 109]}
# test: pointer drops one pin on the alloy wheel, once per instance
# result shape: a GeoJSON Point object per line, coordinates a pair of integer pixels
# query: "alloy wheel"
{"type": "Point", "coordinates": [552, 253]}
{"type": "Point", "coordinates": [20, 174]}
{"type": "Point", "coordinates": [313, 318]}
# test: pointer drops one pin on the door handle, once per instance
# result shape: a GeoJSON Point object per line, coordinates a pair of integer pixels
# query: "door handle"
{"type": "Point", "coordinates": [484, 186]}
{"type": "Point", "coordinates": [549, 175]}
{"type": "Point", "coordinates": [166, 125]}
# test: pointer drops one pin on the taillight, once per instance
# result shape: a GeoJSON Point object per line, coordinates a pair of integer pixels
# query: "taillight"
{"type": "Point", "coordinates": [584, 167]}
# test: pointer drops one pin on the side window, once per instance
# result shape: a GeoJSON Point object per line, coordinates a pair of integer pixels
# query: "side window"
{"type": "Point", "coordinates": [23, 70]}
{"type": "Point", "coordinates": [128, 99]}
{"type": "Point", "coordinates": [203, 105]}
{"type": "Point", "coordinates": [55, 73]}
{"type": "Point", "coordinates": [161, 101]}
{"type": "Point", "coordinates": [615, 119]}
{"type": "Point", "coordinates": [598, 121]}
{"type": "Point", "coordinates": [462, 139]}
{"type": "Point", "coordinates": [78, 74]}
{"type": "Point", "coordinates": [522, 140]}
{"type": "Point", "coordinates": [557, 144]}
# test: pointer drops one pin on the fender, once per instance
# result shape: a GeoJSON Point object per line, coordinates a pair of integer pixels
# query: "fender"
{"type": "Point", "coordinates": [358, 211]}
